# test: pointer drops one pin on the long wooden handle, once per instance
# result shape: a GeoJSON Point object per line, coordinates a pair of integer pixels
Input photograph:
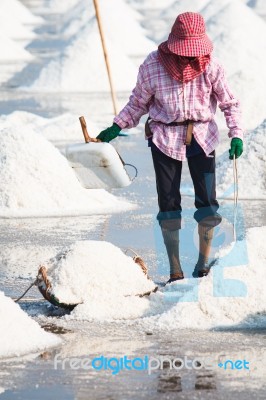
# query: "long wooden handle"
{"type": "Point", "coordinates": [87, 137]}
{"type": "Point", "coordinates": [98, 17]}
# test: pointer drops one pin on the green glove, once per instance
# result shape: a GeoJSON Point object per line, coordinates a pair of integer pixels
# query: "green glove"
{"type": "Point", "coordinates": [236, 148]}
{"type": "Point", "coordinates": [109, 134]}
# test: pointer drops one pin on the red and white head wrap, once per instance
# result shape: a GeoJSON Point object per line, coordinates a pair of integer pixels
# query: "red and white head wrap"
{"type": "Point", "coordinates": [187, 38]}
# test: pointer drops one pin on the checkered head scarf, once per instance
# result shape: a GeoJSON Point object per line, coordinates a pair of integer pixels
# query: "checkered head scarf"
{"type": "Point", "coordinates": [186, 53]}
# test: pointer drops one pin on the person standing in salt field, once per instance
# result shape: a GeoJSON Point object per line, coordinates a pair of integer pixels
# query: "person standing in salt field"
{"type": "Point", "coordinates": [179, 86]}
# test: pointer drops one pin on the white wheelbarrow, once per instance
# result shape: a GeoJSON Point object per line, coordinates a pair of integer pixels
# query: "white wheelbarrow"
{"type": "Point", "coordinates": [97, 164]}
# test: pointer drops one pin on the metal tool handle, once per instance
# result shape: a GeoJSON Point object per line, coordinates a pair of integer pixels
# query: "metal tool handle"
{"type": "Point", "coordinates": [235, 195]}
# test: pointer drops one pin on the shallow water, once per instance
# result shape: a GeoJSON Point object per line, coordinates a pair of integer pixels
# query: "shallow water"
{"type": "Point", "coordinates": [135, 229]}
{"type": "Point", "coordinates": [24, 241]}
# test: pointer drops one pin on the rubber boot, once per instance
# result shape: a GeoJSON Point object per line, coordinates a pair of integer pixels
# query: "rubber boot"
{"type": "Point", "coordinates": [171, 241]}
{"type": "Point", "coordinates": [202, 267]}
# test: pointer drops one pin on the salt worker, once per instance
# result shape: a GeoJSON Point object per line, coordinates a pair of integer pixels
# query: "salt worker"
{"type": "Point", "coordinates": [179, 86]}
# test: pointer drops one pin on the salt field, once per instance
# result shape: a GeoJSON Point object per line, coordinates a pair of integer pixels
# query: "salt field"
{"type": "Point", "coordinates": [52, 72]}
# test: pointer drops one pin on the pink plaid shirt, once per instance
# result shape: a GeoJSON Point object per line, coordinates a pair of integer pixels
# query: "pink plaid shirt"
{"type": "Point", "coordinates": [167, 100]}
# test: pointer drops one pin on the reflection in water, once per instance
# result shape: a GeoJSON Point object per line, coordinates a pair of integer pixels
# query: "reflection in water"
{"type": "Point", "coordinates": [169, 382]}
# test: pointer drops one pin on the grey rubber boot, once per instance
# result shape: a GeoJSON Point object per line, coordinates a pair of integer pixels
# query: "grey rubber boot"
{"type": "Point", "coordinates": [171, 241]}
{"type": "Point", "coordinates": [202, 267]}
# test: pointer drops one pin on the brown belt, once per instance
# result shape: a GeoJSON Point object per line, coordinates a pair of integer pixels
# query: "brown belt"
{"type": "Point", "coordinates": [188, 123]}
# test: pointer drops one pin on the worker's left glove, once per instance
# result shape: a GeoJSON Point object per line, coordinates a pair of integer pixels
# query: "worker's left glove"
{"type": "Point", "coordinates": [109, 134]}
{"type": "Point", "coordinates": [236, 148]}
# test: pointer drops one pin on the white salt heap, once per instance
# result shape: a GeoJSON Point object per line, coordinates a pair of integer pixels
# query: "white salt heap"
{"type": "Point", "coordinates": [14, 29]}
{"type": "Point", "coordinates": [125, 31]}
{"type": "Point", "coordinates": [12, 51]}
{"type": "Point", "coordinates": [230, 35]}
{"type": "Point", "coordinates": [15, 9]}
{"type": "Point", "coordinates": [36, 180]}
{"type": "Point", "coordinates": [107, 281]}
{"type": "Point", "coordinates": [64, 128]}
{"type": "Point", "coordinates": [61, 6]}
{"type": "Point", "coordinates": [19, 333]}
{"type": "Point", "coordinates": [258, 5]}
{"type": "Point", "coordinates": [102, 277]}
{"type": "Point", "coordinates": [180, 6]}
{"type": "Point", "coordinates": [81, 66]}
{"type": "Point", "coordinates": [150, 4]}
{"type": "Point", "coordinates": [251, 168]}
{"type": "Point", "coordinates": [77, 15]}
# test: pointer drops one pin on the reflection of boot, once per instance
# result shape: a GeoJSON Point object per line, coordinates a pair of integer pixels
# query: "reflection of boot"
{"type": "Point", "coordinates": [202, 267]}
{"type": "Point", "coordinates": [171, 241]}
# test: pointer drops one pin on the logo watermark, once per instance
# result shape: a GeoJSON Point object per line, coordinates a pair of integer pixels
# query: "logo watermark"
{"type": "Point", "coordinates": [148, 363]}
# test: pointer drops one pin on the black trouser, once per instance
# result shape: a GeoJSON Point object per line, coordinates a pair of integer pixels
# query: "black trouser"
{"type": "Point", "coordinates": [168, 178]}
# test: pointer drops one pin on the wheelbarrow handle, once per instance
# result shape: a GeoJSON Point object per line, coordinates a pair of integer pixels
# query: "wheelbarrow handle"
{"type": "Point", "coordinates": [86, 135]}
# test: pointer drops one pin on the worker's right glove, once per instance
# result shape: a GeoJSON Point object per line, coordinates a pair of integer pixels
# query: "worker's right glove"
{"type": "Point", "coordinates": [109, 134]}
{"type": "Point", "coordinates": [236, 148]}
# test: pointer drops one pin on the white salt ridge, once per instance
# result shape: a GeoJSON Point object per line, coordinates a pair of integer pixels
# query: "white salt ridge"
{"type": "Point", "coordinates": [83, 55]}
{"type": "Point", "coordinates": [20, 334]}
{"type": "Point", "coordinates": [258, 5]}
{"type": "Point", "coordinates": [16, 9]}
{"type": "Point", "coordinates": [102, 277]}
{"type": "Point", "coordinates": [13, 18]}
{"type": "Point", "coordinates": [58, 6]}
{"type": "Point", "coordinates": [78, 14]}
{"type": "Point", "coordinates": [14, 29]}
{"type": "Point", "coordinates": [251, 168]}
{"type": "Point", "coordinates": [179, 7]}
{"type": "Point", "coordinates": [125, 31]}
{"type": "Point", "coordinates": [64, 128]}
{"type": "Point", "coordinates": [76, 18]}
{"type": "Point", "coordinates": [150, 4]}
{"type": "Point", "coordinates": [36, 180]}
{"type": "Point", "coordinates": [73, 14]}
{"type": "Point", "coordinates": [82, 67]}
{"type": "Point", "coordinates": [214, 8]}
{"type": "Point", "coordinates": [244, 73]}
{"type": "Point", "coordinates": [12, 51]}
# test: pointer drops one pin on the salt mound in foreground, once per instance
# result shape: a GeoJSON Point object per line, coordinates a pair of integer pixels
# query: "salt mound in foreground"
{"type": "Point", "coordinates": [102, 277]}
{"type": "Point", "coordinates": [19, 333]}
{"type": "Point", "coordinates": [107, 281]}
{"type": "Point", "coordinates": [36, 180]}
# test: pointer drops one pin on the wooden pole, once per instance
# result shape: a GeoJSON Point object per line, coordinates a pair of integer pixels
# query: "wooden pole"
{"type": "Point", "coordinates": [99, 21]}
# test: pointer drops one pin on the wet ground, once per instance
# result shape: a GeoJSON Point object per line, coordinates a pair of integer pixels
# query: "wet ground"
{"type": "Point", "coordinates": [24, 242]}
{"type": "Point", "coordinates": [35, 377]}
